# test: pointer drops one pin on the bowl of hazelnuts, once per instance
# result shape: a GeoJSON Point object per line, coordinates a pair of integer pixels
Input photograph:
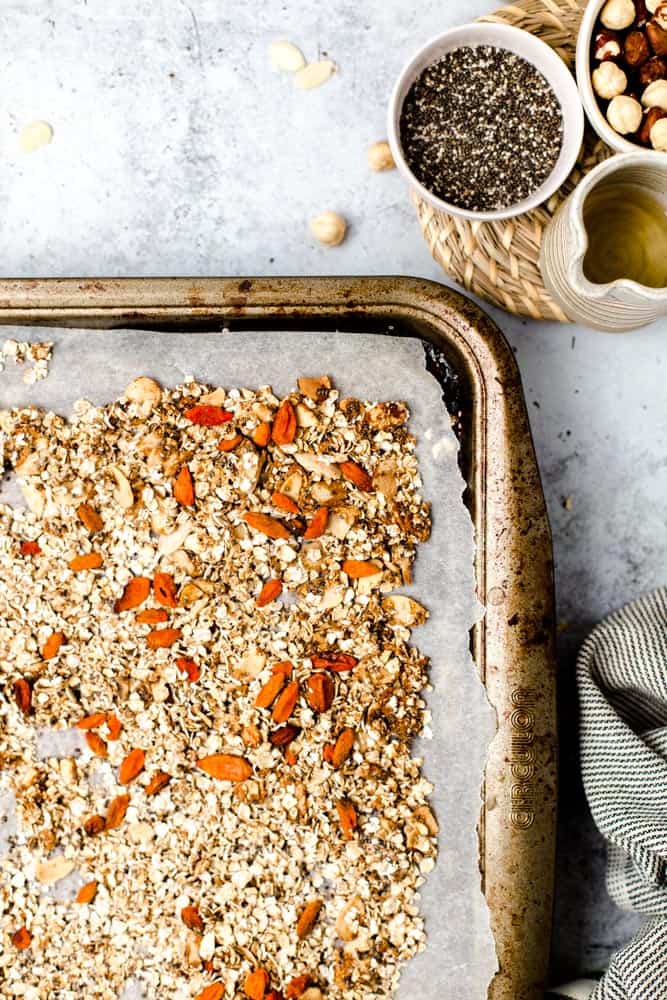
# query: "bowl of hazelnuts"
{"type": "Point", "coordinates": [622, 72]}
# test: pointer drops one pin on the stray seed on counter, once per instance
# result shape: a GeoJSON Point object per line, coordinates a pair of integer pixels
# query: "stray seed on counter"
{"type": "Point", "coordinates": [481, 129]}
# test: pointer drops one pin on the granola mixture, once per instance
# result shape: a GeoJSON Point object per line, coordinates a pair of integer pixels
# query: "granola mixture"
{"type": "Point", "coordinates": [22, 352]}
{"type": "Point", "coordinates": [202, 593]}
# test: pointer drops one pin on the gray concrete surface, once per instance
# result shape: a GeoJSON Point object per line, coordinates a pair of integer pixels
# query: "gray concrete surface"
{"type": "Point", "coordinates": [176, 150]}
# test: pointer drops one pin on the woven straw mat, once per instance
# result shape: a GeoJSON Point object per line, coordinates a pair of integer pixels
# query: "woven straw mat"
{"type": "Point", "coordinates": [498, 260]}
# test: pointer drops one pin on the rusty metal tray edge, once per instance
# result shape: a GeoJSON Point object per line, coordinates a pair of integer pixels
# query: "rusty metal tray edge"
{"type": "Point", "coordinates": [513, 645]}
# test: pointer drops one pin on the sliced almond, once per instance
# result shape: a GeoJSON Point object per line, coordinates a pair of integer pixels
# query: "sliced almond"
{"type": "Point", "coordinates": [34, 498]}
{"type": "Point", "coordinates": [53, 870]}
{"type": "Point", "coordinates": [315, 74]}
{"type": "Point", "coordinates": [318, 464]}
{"type": "Point", "coordinates": [182, 561]}
{"type": "Point", "coordinates": [315, 388]}
{"type": "Point", "coordinates": [175, 539]}
{"type": "Point", "coordinates": [385, 478]}
{"type": "Point", "coordinates": [250, 665]}
{"type": "Point", "coordinates": [215, 398]}
{"type": "Point", "coordinates": [332, 597]}
{"type": "Point", "coordinates": [34, 461]}
{"type": "Point", "coordinates": [122, 493]}
{"type": "Point", "coordinates": [424, 815]}
{"type": "Point", "coordinates": [291, 485]}
{"type": "Point", "coordinates": [191, 948]}
{"type": "Point", "coordinates": [305, 416]}
{"type": "Point", "coordinates": [403, 610]}
{"type": "Point", "coordinates": [347, 921]}
{"type": "Point", "coordinates": [286, 57]}
{"type": "Point", "coordinates": [341, 520]}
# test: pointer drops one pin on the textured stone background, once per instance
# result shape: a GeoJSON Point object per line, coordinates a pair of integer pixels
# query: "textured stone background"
{"type": "Point", "coordinates": [178, 151]}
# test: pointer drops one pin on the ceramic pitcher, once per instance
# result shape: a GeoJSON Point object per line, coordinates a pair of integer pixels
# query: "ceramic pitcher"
{"type": "Point", "coordinates": [617, 305]}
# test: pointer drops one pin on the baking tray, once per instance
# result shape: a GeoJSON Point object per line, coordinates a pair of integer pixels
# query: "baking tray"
{"type": "Point", "coordinates": [513, 644]}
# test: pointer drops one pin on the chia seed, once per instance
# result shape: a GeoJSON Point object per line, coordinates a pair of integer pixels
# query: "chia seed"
{"type": "Point", "coordinates": [481, 128]}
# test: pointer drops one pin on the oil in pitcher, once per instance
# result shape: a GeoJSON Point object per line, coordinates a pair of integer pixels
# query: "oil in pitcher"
{"type": "Point", "coordinates": [627, 236]}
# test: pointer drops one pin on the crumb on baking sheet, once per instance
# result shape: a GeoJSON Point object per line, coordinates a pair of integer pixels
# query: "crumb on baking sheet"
{"type": "Point", "coordinates": [201, 592]}
{"type": "Point", "coordinates": [23, 352]}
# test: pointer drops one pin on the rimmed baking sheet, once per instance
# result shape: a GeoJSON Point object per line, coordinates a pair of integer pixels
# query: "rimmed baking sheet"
{"type": "Point", "coordinates": [460, 954]}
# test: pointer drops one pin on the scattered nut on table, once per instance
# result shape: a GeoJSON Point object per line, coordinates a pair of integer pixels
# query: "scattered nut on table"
{"type": "Point", "coordinates": [315, 74]}
{"type": "Point", "coordinates": [618, 14]}
{"type": "Point", "coordinates": [609, 80]}
{"type": "Point", "coordinates": [624, 114]}
{"type": "Point", "coordinates": [286, 57]}
{"type": "Point", "coordinates": [329, 228]}
{"type": "Point", "coordinates": [379, 156]}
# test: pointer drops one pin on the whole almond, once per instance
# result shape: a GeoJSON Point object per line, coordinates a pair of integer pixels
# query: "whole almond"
{"type": "Point", "coordinates": [320, 691]}
{"type": "Point", "coordinates": [256, 984]}
{"type": "Point", "coordinates": [131, 766]}
{"type": "Point", "coordinates": [354, 473]}
{"type": "Point", "coordinates": [93, 825]}
{"type": "Point", "coordinates": [347, 816]}
{"type": "Point", "coordinates": [90, 518]}
{"type": "Point", "coordinates": [192, 918]}
{"type": "Point", "coordinates": [307, 918]}
{"type": "Point", "coordinates": [87, 893]}
{"type": "Point", "coordinates": [270, 690]}
{"type": "Point", "coordinates": [157, 783]}
{"type": "Point", "coordinates": [332, 660]}
{"type": "Point", "coordinates": [343, 747]}
{"type": "Point", "coordinates": [23, 695]}
{"type": "Point", "coordinates": [116, 812]}
{"type": "Point", "coordinates": [286, 702]}
{"type": "Point", "coordinates": [226, 767]}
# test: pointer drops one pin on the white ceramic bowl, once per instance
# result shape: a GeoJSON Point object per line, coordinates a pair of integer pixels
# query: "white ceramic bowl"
{"type": "Point", "coordinates": [588, 96]}
{"type": "Point", "coordinates": [534, 51]}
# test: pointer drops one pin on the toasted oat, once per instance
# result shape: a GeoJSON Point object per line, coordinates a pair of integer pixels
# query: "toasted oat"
{"type": "Point", "coordinates": [284, 774]}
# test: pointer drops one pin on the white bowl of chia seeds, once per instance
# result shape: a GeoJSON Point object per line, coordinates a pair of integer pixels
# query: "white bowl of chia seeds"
{"type": "Point", "coordinates": [486, 122]}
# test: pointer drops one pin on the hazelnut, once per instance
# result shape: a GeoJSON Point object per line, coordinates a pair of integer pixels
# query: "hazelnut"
{"type": "Point", "coordinates": [657, 36]}
{"type": "Point", "coordinates": [379, 157]}
{"type": "Point", "coordinates": [659, 135]}
{"type": "Point", "coordinates": [636, 49]}
{"type": "Point", "coordinates": [606, 45]}
{"type": "Point", "coordinates": [660, 14]}
{"type": "Point", "coordinates": [624, 114]}
{"type": "Point", "coordinates": [654, 69]}
{"type": "Point", "coordinates": [655, 95]}
{"type": "Point", "coordinates": [652, 116]}
{"type": "Point", "coordinates": [609, 80]}
{"type": "Point", "coordinates": [329, 228]}
{"type": "Point", "coordinates": [618, 14]}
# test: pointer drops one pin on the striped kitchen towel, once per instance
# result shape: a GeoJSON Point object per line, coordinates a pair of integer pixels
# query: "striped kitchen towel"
{"type": "Point", "coordinates": [622, 676]}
